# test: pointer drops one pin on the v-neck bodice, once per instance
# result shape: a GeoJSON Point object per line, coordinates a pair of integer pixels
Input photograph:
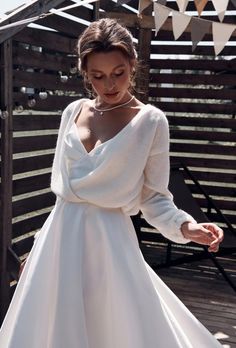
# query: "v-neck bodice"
{"type": "Point", "coordinates": [120, 133]}
{"type": "Point", "coordinates": [116, 165]}
{"type": "Point", "coordinates": [128, 171]}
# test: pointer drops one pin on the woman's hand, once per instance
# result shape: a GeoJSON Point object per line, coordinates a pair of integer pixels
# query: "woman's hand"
{"type": "Point", "coordinates": [205, 233]}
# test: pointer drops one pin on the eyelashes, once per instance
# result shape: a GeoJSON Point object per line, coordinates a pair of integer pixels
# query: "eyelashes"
{"type": "Point", "coordinates": [100, 77]}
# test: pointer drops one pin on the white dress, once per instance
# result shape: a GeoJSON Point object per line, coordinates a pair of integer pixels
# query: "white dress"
{"type": "Point", "coordinates": [86, 284]}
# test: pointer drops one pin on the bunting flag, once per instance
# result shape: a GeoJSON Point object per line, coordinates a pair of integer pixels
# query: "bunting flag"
{"type": "Point", "coordinates": [221, 34]}
{"type": "Point", "coordinates": [161, 14]}
{"type": "Point", "coordinates": [142, 5]}
{"type": "Point", "coordinates": [198, 27]}
{"type": "Point", "coordinates": [180, 22]}
{"type": "Point", "coordinates": [234, 2]}
{"type": "Point", "coordinates": [182, 4]}
{"type": "Point", "coordinates": [220, 7]}
{"type": "Point", "coordinates": [198, 30]}
{"type": "Point", "coordinates": [200, 5]}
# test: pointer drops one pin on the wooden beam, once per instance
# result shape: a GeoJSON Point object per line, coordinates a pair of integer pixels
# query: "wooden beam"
{"type": "Point", "coordinates": [32, 9]}
{"type": "Point", "coordinates": [144, 52]}
{"type": "Point", "coordinates": [6, 173]}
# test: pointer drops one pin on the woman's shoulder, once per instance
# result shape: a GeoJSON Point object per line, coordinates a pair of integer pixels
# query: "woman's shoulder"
{"type": "Point", "coordinates": [154, 115]}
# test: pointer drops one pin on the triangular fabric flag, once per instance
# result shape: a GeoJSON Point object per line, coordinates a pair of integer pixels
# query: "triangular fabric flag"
{"type": "Point", "coordinates": [198, 30]}
{"type": "Point", "coordinates": [161, 13]}
{"type": "Point", "coordinates": [182, 4]}
{"type": "Point", "coordinates": [221, 34]}
{"type": "Point", "coordinates": [200, 5]}
{"type": "Point", "coordinates": [220, 7]}
{"type": "Point", "coordinates": [142, 5]}
{"type": "Point", "coordinates": [179, 23]}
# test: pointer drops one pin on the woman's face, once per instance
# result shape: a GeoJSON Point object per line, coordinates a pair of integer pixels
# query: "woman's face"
{"type": "Point", "coordinates": [109, 74]}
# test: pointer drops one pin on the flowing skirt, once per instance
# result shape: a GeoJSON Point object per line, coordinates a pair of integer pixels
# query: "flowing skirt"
{"type": "Point", "coordinates": [86, 285]}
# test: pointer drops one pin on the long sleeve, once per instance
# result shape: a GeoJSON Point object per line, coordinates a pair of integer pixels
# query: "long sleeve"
{"type": "Point", "coordinates": [56, 160]}
{"type": "Point", "coordinates": [157, 203]}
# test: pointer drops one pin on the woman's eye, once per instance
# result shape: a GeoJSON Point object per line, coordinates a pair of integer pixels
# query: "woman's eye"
{"type": "Point", "coordinates": [97, 77]}
{"type": "Point", "coordinates": [119, 74]}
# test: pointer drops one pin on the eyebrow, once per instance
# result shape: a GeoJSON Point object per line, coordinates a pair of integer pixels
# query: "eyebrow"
{"type": "Point", "coordinates": [116, 67]}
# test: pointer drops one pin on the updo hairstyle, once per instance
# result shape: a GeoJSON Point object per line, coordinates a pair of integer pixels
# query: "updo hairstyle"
{"type": "Point", "coordinates": [105, 35]}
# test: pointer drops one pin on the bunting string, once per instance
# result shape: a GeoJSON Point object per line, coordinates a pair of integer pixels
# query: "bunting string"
{"type": "Point", "coordinates": [221, 32]}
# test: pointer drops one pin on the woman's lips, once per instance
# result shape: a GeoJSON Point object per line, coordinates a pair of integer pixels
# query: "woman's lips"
{"type": "Point", "coordinates": [111, 95]}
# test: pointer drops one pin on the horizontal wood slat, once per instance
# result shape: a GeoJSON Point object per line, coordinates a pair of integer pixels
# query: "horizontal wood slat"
{"type": "Point", "coordinates": [182, 49]}
{"type": "Point", "coordinates": [167, 35]}
{"type": "Point", "coordinates": [30, 163]}
{"type": "Point", "coordinates": [52, 103]}
{"type": "Point", "coordinates": [218, 220]}
{"type": "Point", "coordinates": [203, 149]}
{"type": "Point", "coordinates": [224, 109]}
{"type": "Point", "coordinates": [28, 225]}
{"type": "Point", "coordinates": [22, 247]}
{"type": "Point", "coordinates": [221, 204]}
{"type": "Point", "coordinates": [222, 177]}
{"type": "Point", "coordinates": [34, 143]}
{"type": "Point", "coordinates": [30, 184]}
{"type": "Point", "coordinates": [211, 136]}
{"type": "Point", "coordinates": [35, 122]}
{"type": "Point", "coordinates": [46, 39]}
{"type": "Point", "coordinates": [193, 93]}
{"type": "Point", "coordinates": [42, 60]}
{"type": "Point", "coordinates": [200, 162]}
{"type": "Point", "coordinates": [48, 81]}
{"type": "Point", "coordinates": [215, 190]}
{"type": "Point", "coordinates": [195, 64]}
{"type": "Point", "coordinates": [214, 122]}
{"type": "Point", "coordinates": [193, 79]}
{"type": "Point", "coordinates": [31, 204]}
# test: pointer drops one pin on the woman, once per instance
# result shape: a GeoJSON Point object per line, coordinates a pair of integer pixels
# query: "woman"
{"type": "Point", "coordinates": [85, 283]}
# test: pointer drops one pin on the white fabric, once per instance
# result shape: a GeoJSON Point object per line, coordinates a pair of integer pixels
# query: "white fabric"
{"type": "Point", "coordinates": [85, 283]}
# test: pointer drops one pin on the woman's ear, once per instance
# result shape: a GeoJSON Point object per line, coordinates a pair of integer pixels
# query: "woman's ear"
{"type": "Point", "coordinates": [132, 64]}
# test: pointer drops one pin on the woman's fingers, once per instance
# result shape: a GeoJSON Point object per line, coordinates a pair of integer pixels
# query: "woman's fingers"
{"type": "Point", "coordinates": [216, 231]}
{"type": "Point", "coordinates": [217, 235]}
{"type": "Point", "coordinates": [205, 234]}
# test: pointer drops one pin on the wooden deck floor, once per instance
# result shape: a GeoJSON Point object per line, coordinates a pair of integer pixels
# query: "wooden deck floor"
{"type": "Point", "coordinates": [203, 290]}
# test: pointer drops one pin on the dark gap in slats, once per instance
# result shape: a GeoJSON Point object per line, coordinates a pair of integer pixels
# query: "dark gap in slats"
{"type": "Point", "coordinates": [31, 204]}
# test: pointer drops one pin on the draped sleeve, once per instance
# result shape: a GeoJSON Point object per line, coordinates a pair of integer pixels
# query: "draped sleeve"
{"type": "Point", "coordinates": [157, 203]}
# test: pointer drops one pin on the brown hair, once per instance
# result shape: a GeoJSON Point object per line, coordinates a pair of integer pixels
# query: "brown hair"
{"type": "Point", "coordinates": [105, 35]}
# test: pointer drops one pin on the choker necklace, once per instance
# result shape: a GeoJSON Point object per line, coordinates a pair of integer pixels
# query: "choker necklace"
{"type": "Point", "coordinates": [101, 111]}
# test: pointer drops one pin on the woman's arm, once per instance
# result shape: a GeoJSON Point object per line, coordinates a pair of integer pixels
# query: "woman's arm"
{"type": "Point", "coordinates": [157, 203]}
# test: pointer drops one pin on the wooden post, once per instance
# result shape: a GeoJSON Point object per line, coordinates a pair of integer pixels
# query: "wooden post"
{"type": "Point", "coordinates": [6, 172]}
{"type": "Point", "coordinates": [96, 7]}
{"type": "Point", "coordinates": [144, 51]}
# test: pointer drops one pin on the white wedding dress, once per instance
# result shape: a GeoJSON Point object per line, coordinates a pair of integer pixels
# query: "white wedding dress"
{"type": "Point", "coordinates": [85, 283]}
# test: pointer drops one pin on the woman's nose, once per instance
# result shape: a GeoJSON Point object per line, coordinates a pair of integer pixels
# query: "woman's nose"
{"type": "Point", "coordinates": [109, 83]}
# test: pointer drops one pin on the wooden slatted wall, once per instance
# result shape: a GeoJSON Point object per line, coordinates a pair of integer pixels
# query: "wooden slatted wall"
{"type": "Point", "coordinates": [198, 94]}
{"type": "Point", "coordinates": [42, 58]}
